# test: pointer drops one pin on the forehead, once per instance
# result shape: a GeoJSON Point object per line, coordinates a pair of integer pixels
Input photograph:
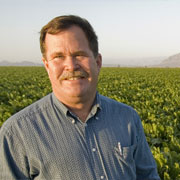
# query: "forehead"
{"type": "Point", "coordinates": [71, 39]}
{"type": "Point", "coordinates": [73, 32]}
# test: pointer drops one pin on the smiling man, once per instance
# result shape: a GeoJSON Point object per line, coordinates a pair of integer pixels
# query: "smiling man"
{"type": "Point", "coordinates": [72, 68]}
{"type": "Point", "coordinates": [74, 132]}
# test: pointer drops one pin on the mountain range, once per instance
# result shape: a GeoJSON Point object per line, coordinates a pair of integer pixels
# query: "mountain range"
{"type": "Point", "coordinates": [172, 61]}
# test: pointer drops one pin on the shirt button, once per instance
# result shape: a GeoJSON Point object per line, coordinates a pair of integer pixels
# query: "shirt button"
{"type": "Point", "coordinates": [93, 149]}
{"type": "Point", "coordinates": [73, 121]}
{"type": "Point", "coordinates": [102, 177]}
{"type": "Point", "coordinates": [97, 118]}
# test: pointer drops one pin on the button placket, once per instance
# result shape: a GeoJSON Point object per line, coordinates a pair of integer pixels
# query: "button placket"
{"type": "Point", "coordinates": [94, 150]}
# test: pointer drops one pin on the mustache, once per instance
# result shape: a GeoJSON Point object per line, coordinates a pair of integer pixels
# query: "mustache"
{"type": "Point", "coordinates": [79, 74]}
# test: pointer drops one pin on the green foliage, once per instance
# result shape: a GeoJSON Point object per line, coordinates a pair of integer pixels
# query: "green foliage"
{"type": "Point", "coordinates": [19, 87]}
{"type": "Point", "coordinates": [153, 92]}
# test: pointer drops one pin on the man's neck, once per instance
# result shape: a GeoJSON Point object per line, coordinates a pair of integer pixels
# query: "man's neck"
{"type": "Point", "coordinates": [81, 107]}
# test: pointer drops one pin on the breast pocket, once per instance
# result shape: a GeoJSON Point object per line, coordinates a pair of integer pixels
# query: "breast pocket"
{"type": "Point", "coordinates": [125, 156]}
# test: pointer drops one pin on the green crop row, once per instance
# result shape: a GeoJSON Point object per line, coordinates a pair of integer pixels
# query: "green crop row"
{"type": "Point", "coordinates": [153, 92]}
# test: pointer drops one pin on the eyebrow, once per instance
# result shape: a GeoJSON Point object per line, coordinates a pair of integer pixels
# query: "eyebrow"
{"type": "Point", "coordinates": [80, 53]}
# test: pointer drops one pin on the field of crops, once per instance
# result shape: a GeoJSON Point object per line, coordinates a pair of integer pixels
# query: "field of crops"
{"type": "Point", "coordinates": [154, 93]}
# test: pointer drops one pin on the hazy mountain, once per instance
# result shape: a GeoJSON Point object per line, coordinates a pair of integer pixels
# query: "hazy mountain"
{"type": "Point", "coordinates": [23, 63]}
{"type": "Point", "coordinates": [172, 61]}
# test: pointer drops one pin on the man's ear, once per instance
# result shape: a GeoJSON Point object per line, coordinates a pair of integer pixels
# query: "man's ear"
{"type": "Point", "coordinates": [99, 61]}
{"type": "Point", "coordinates": [46, 65]}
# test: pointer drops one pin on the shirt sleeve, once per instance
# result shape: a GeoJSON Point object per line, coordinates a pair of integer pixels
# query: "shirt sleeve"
{"type": "Point", "coordinates": [145, 164]}
{"type": "Point", "coordinates": [13, 162]}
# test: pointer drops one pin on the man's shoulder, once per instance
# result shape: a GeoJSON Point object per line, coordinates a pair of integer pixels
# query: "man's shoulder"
{"type": "Point", "coordinates": [106, 101]}
{"type": "Point", "coordinates": [32, 110]}
{"type": "Point", "coordinates": [118, 110]}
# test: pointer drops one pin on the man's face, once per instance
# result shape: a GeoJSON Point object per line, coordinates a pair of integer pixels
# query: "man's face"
{"type": "Point", "coordinates": [72, 68]}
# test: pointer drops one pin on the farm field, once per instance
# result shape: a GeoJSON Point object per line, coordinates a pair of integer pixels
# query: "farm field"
{"type": "Point", "coordinates": [153, 92]}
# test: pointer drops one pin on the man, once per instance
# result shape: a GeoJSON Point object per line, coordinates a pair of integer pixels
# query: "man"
{"type": "Point", "coordinates": [74, 133]}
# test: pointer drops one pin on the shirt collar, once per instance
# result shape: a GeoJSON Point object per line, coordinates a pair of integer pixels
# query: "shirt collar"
{"type": "Point", "coordinates": [59, 105]}
{"type": "Point", "coordinates": [97, 102]}
{"type": "Point", "coordinates": [96, 105]}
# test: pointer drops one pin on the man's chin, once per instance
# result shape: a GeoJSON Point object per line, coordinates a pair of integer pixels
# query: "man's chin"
{"type": "Point", "coordinates": [74, 94]}
{"type": "Point", "coordinates": [71, 91]}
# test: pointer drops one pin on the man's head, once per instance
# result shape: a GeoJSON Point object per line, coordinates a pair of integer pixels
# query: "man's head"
{"type": "Point", "coordinates": [62, 23]}
{"type": "Point", "coordinates": [70, 55]}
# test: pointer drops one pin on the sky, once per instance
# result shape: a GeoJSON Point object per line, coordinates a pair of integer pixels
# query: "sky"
{"type": "Point", "coordinates": [143, 31]}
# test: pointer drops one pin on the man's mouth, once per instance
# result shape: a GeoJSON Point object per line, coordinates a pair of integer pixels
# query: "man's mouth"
{"type": "Point", "coordinates": [74, 78]}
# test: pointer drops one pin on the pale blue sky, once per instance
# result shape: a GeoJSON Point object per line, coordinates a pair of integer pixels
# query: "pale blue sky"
{"type": "Point", "coordinates": [133, 29]}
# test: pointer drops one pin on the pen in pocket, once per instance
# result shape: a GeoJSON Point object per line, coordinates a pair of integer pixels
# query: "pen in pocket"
{"type": "Point", "coordinates": [119, 147]}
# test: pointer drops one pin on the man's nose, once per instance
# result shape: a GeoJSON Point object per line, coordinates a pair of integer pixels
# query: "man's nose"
{"type": "Point", "coordinates": [71, 63]}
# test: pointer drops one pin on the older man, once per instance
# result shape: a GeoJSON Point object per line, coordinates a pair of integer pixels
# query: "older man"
{"type": "Point", "coordinates": [74, 132]}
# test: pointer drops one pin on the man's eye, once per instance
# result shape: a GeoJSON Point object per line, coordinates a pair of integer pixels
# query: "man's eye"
{"type": "Point", "coordinates": [58, 57]}
{"type": "Point", "coordinates": [80, 56]}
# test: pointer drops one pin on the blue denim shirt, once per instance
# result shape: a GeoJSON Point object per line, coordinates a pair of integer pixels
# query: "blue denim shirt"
{"type": "Point", "coordinates": [46, 141]}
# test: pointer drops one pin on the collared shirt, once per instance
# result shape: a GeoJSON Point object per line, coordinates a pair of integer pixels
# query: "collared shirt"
{"type": "Point", "coordinates": [47, 141]}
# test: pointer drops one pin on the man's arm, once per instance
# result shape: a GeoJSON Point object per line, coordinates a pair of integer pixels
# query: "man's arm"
{"type": "Point", "coordinates": [13, 162]}
{"type": "Point", "coordinates": [146, 168]}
